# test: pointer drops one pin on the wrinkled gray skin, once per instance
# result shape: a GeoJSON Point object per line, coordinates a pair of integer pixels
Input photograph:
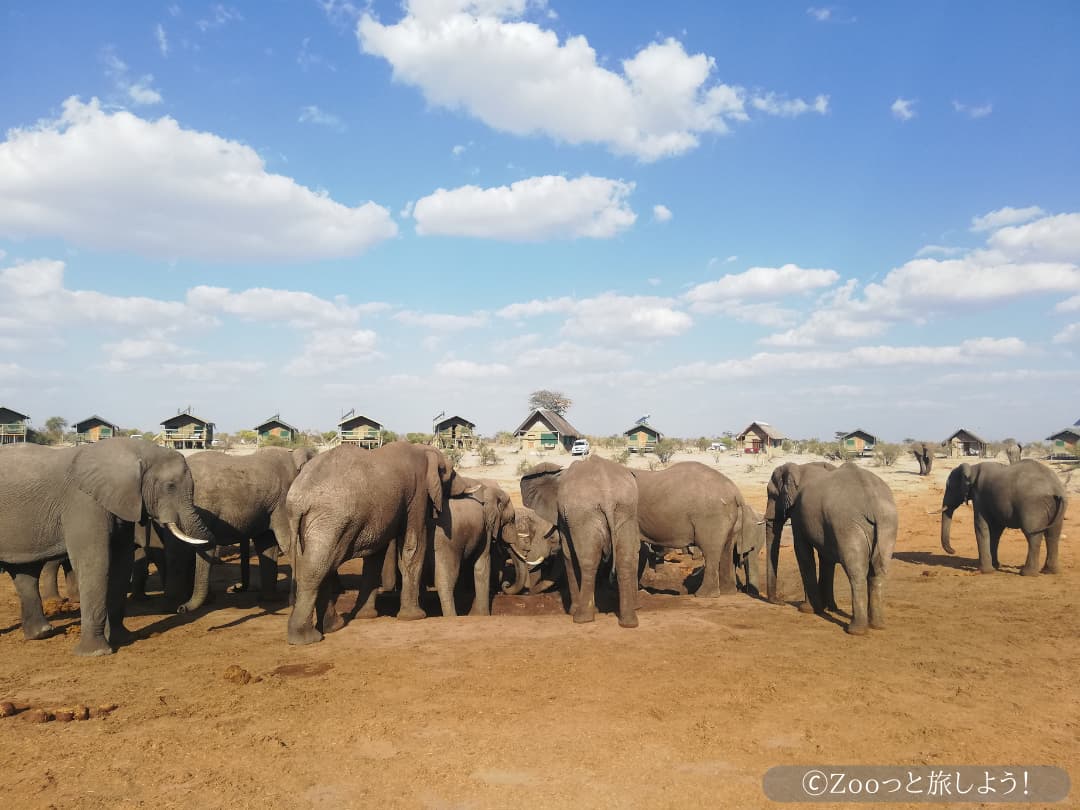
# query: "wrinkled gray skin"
{"type": "Point", "coordinates": [84, 502]}
{"type": "Point", "coordinates": [1013, 450]}
{"type": "Point", "coordinates": [241, 499]}
{"type": "Point", "coordinates": [689, 504]}
{"type": "Point", "coordinates": [49, 583]}
{"type": "Point", "coordinates": [925, 456]}
{"type": "Point", "coordinates": [594, 503]}
{"type": "Point", "coordinates": [774, 527]}
{"type": "Point", "coordinates": [351, 502]}
{"type": "Point", "coordinates": [1026, 495]}
{"type": "Point", "coordinates": [748, 545]}
{"type": "Point", "coordinates": [848, 516]}
{"type": "Point", "coordinates": [536, 550]}
{"type": "Point", "coordinates": [464, 532]}
{"type": "Point", "coordinates": [177, 580]}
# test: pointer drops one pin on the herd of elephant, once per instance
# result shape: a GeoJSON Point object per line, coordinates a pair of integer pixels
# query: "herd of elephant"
{"type": "Point", "coordinates": [105, 511]}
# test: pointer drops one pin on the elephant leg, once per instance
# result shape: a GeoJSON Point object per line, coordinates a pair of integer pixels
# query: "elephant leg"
{"type": "Point", "coordinates": [245, 567]}
{"type": "Point", "coordinates": [330, 621]}
{"type": "Point", "coordinates": [25, 578]}
{"type": "Point", "coordinates": [857, 568]}
{"type": "Point", "coordinates": [1031, 565]}
{"type": "Point", "coordinates": [877, 598]}
{"type": "Point", "coordinates": [627, 549]}
{"type": "Point", "coordinates": [804, 556]}
{"type": "Point", "coordinates": [48, 582]}
{"type": "Point", "coordinates": [481, 605]}
{"type": "Point", "coordinates": [753, 573]}
{"type": "Point", "coordinates": [370, 577]}
{"type": "Point", "coordinates": [447, 569]}
{"type": "Point", "coordinates": [710, 584]}
{"type": "Point", "coordinates": [140, 572]}
{"type": "Point", "coordinates": [121, 561]}
{"type": "Point", "coordinates": [1053, 537]}
{"type": "Point", "coordinates": [179, 572]}
{"type": "Point", "coordinates": [267, 551]}
{"type": "Point", "coordinates": [725, 559]}
{"type": "Point", "coordinates": [310, 569]}
{"type": "Point", "coordinates": [413, 551]}
{"type": "Point", "coordinates": [571, 577]}
{"type": "Point", "coordinates": [586, 605]}
{"type": "Point", "coordinates": [982, 536]}
{"type": "Point", "coordinates": [390, 568]}
{"type": "Point", "coordinates": [995, 542]}
{"type": "Point", "coordinates": [71, 582]}
{"type": "Point", "coordinates": [89, 549]}
{"type": "Point", "coordinates": [826, 583]}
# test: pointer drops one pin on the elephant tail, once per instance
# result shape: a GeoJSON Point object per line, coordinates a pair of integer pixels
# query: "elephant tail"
{"type": "Point", "coordinates": [1058, 511]}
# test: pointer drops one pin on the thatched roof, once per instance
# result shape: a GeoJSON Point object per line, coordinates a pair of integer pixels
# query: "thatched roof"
{"type": "Point", "coordinates": [556, 422]}
{"type": "Point", "coordinates": [964, 435]}
{"type": "Point", "coordinates": [763, 427]}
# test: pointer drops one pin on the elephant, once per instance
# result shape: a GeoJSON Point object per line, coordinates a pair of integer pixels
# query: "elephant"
{"type": "Point", "coordinates": [177, 577]}
{"type": "Point", "coordinates": [1026, 495]}
{"type": "Point", "coordinates": [1013, 450]}
{"type": "Point", "coordinates": [748, 545]}
{"type": "Point", "coordinates": [241, 498]}
{"type": "Point", "coordinates": [774, 527]}
{"type": "Point", "coordinates": [465, 531]}
{"type": "Point", "coordinates": [925, 456]}
{"type": "Point", "coordinates": [49, 582]}
{"type": "Point", "coordinates": [84, 502]}
{"type": "Point", "coordinates": [691, 504]}
{"type": "Point", "coordinates": [849, 517]}
{"type": "Point", "coordinates": [594, 503]}
{"type": "Point", "coordinates": [536, 550]}
{"type": "Point", "coordinates": [351, 502]}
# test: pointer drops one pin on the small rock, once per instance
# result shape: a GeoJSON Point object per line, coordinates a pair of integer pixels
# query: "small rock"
{"type": "Point", "coordinates": [237, 674]}
{"type": "Point", "coordinates": [103, 711]}
{"type": "Point", "coordinates": [7, 708]}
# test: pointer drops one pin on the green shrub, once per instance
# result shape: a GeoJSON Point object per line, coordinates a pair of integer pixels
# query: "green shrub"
{"type": "Point", "coordinates": [388, 436]}
{"type": "Point", "coordinates": [665, 449]}
{"type": "Point", "coordinates": [622, 458]}
{"type": "Point", "coordinates": [488, 456]}
{"type": "Point", "coordinates": [886, 454]}
{"type": "Point", "coordinates": [455, 455]}
{"type": "Point", "coordinates": [418, 438]}
{"type": "Point", "coordinates": [523, 467]}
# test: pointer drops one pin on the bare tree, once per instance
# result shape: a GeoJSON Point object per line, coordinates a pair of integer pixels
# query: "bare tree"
{"type": "Point", "coordinates": [554, 401]}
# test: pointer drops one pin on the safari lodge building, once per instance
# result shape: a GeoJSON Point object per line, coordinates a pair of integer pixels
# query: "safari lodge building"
{"type": "Point", "coordinates": [94, 429]}
{"type": "Point", "coordinates": [642, 438]}
{"type": "Point", "coordinates": [858, 443]}
{"type": "Point", "coordinates": [455, 433]}
{"type": "Point", "coordinates": [546, 430]}
{"type": "Point", "coordinates": [760, 437]}
{"type": "Point", "coordinates": [1065, 443]}
{"type": "Point", "coordinates": [363, 431]}
{"type": "Point", "coordinates": [275, 428]}
{"type": "Point", "coordinates": [186, 431]}
{"type": "Point", "coordinates": [964, 443]}
{"type": "Point", "coordinates": [12, 426]}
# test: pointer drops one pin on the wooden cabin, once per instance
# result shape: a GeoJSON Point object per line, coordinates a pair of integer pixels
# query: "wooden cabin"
{"type": "Point", "coordinates": [94, 429]}
{"type": "Point", "coordinates": [275, 428]}
{"type": "Point", "coordinates": [546, 430]}
{"type": "Point", "coordinates": [455, 432]}
{"type": "Point", "coordinates": [12, 426]}
{"type": "Point", "coordinates": [363, 431]}
{"type": "Point", "coordinates": [858, 443]}
{"type": "Point", "coordinates": [964, 443]}
{"type": "Point", "coordinates": [186, 431]}
{"type": "Point", "coordinates": [760, 437]}
{"type": "Point", "coordinates": [1065, 443]}
{"type": "Point", "coordinates": [642, 438]}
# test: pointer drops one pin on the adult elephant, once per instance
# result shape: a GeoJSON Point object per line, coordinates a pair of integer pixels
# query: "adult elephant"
{"type": "Point", "coordinates": [1013, 450]}
{"type": "Point", "coordinates": [847, 516]}
{"type": "Point", "coordinates": [594, 503]}
{"type": "Point", "coordinates": [776, 516]}
{"type": "Point", "coordinates": [925, 456]}
{"type": "Point", "coordinates": [748, 544]}
{"type": "Point", "coordinates": [84, 502]}
{"type": "Point", "coordinates": [241, 499]}
{"type": "Point", "coordinates": [1026, 496]}
{"type": "Point", "coordinates": [351, 502]}
{"type": "Point", "coordinates": [537, 554]}
{"type": "Point", "coordinates": [689, 504]}
{"type": "Point", "coordinates": [465, 532]}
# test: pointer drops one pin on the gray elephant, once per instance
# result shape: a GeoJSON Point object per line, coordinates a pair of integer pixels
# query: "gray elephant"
{"type": "Point", "coordinates": [241, 499]}
{"type": "Point", "coordinates": [774, 527]}
{"type": "Point", "coordinates": [1026, 496]}
{"type": "Point", "coordinates": [49, 582]}
{"type": "Point", "coordinates": [177, 575]}
{"type": "Point", "coordinates": [594, 503]}
{"type": "Point", "coordinates": [925, 456]}
{"type": "Point", "coordinates": [847, 516]}
{"type": "Point", "coordinates": [536, 550]}
{"type": "Point", "coordinates": [1013, 450]}
{"type": "Point", "coordinates": [690, 504]}
{"type": "Point", "coordinates": [465, 532]}
{"type": "Point", "coordinates": [84, 502]}
{"type": "Point", "coordinates": [351, 502]}
{"type": "Point", "coordinates": [748, 545]}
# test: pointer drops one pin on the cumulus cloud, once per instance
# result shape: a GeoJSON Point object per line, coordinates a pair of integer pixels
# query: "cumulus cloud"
{"type": "Point", "coordinates": [296, 308]}
{"type": "Point", "coordinates": [608, 316]}
{"type": "Point", "coordinates": [481, 56]}
{"type": "Point", "coordinates": [535, 209]}
{"type": "Point", "coordinates": [661, 213]}
{"type": "Point", "coordinates": [167, 192]}
{"type": "Point", "coordinates": [938, 250]}
{"type": "Point", "coordinates": [1049, 239]}
{"type": "Point", "coordinates": [138, 91]}
{"type": "Point", "coordinates": [1005, 216]}
{"type": "Point", "coordinates": [441, 322]}
{"type": "Point", "coordinates": [903, 109]}
{"type": "Point", "coordinates": [567, 356]}
{"type": "Point", "coordinates": [773, 104]}
{"type": "Point", "coordinates": [1070, 334]}
{"type": "Point", "coordinates": [758, 283]}
{"type": "Point", "coordinates": [470, 370]}
{"type": "Point", "coordinates": [330, 350]}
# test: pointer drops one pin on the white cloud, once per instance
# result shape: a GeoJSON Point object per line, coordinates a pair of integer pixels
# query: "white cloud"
{"type": "Point", "coordinates": [168, 192]}
{"type": "Point", "coordinates": [311, 114]}
{"type": "Point", "coordinates": [530, 309]}
{"type": "Point", "coordinates": [307, 59]}
{"type": "Point", "coordinates": [1070, 334]}
{"type": "Point", "coordinates": [819, 14]}
{"type": "Point", "coordinates": [661, 213]}
{"type": "Point", "coordinates": [293, 307]}
{"type": "Point", "coordinates": [143, 349]}
{"type": "Point", "coordinates": [1005, 216]}
{"type": "Point", "coordinates": [458, 150]}
{"type": "Point", "coordinates": [469, 370]}
{"type": "Point", "coordinates": [973, 111]}
{"type": "Point", "coordinates": [538, 208]}
{"type": "Point", "coordinates": [567, 356]}
{"type": "Point", "coordinates": [517, 77]}
{"type": "Point", "coordinates": [758, 283]}
{"type": "Point", "coordinates": [220, 15]}
{"type": "Point", "coordinates": [938, 250]}
{"type": "Point", "coordinates": [440, 322]}
{"type": "Point", "coordinates": [1069, 305]}
{"type": "Point", "coordinates": [903, 109]}
{"type": "Point", "coordinates": [789, 108]}
{"type": "Point", "coordinates": [162, 39]}
{"type": "Point", "coordinates": [137, 91]}
{"type": "Point", "coordinates": [1050, 239]}
{"type": "Point", "coordinates": [331, 350]}
{"type": "Point", "coordinates": [608, 316]}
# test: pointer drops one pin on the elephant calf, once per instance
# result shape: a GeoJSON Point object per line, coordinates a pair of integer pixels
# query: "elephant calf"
{"type": "Point", "coordinates": [537, 553]}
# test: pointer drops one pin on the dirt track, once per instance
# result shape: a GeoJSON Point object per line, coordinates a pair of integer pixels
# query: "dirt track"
{"type": "Point", "coordinates": [689, 709]}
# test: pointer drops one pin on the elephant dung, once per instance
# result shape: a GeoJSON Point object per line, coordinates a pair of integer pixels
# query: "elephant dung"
{"type": "Point", "coordinates": [103, 711]}
{"type": "Point", "coordinates": [80, 712]}
{"type": "Point", "coordinates": [236, 674]}
{"type": "Point", "coordinates": [7, 708]}
{"type": "Point", "coordinates": [64, 715]}
{"type": "Point", "coordinates": [38, 716]}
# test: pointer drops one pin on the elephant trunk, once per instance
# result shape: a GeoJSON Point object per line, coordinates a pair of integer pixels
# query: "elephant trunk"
{"type": "Point", "coordinates": [201, 587]}
{"type": "Point", "coordinates": [946, 527]}
{"type": "Point", "coordinates": [521, 573]}
{"type": "Point", "coordinates": [194, 527]}
{"type": "Point", "coordinates": [773, 529]}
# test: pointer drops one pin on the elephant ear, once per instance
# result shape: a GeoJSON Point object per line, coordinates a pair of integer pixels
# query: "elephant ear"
{"type": "Point", "coordinates": [437, 476]}
{"type": "Point", "coordinates": [113, 479]}
{"type": "Point", "coordinates": [301, 456]}
{"type": "Point", "coordinates": [540, 492]}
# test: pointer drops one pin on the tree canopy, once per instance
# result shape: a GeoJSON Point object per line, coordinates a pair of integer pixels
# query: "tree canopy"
{"type": "Point", "coordinates": [554, 401]}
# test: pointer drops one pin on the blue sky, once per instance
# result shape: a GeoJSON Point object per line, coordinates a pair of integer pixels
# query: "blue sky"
{"type": "Point", "coordinates": [821, 216]}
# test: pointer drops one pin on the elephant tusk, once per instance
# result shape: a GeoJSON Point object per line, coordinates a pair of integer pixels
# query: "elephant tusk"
{"type": "Point", "coordinates": [940, 511]}
{"type": "Point", "coordinates": [530, 563]}
{"type": "Point", "coordinates": [172, 527]}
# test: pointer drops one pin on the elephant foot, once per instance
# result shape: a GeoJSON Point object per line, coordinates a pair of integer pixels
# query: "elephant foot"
{"type": "Point", "coordinates": [479, 612]}
{"type": "Point", "coordinates": [857, 629]}
{"type": "Point", "coordinates": [36, 631]}
{"type": "Point", "coordinates": [877, 625]}
{"type": "Point", "coordinates": [1029, 572]}
{"type": "Point", "coordinates": [367, 612]}
{"type": "Point", "coordinates": [304, 635]}
{"type": "Point", "coordinates": [629, 621]}
{"type": "Point", "coordinates": [986, 571]}
{"type": "Point", "coordinates": [90, 646]}
{"type": "Point", "coordinates": [332, 623]}
{"type": "Point", "coordinates": [806, 607]}
{"type": "Point", "coordinates": [775, 600]}
{"type": "Point", "coordinates": [707, 593]}
{"type": "Point", "coordinates": [1048, 569]}
{"type": "Point", "coordinates": [584, 616]}
{"type": "Point", "coordinates": [411, 614]}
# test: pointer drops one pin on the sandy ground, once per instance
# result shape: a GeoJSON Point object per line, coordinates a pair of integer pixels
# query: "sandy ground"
{"type": "Point", "coordinates": [524, 707]}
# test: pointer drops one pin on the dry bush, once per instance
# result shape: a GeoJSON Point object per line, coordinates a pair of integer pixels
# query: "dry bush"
{"type": "Point", "coordinates": [488, 456]}
{"type": "Point", "coordinates": [622, 458]}
{"type": "Point", "coordinates": [886, 454]}
{"type": "Point", "coordinates": [665, 449]}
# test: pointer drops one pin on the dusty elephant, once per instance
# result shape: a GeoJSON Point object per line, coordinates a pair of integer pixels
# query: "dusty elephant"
{"type": "Point", "coordinates": [350, 502]}
{"type": "Point", "coordinates": [84, 502]}
{"type": "Point", "coordinates": [242, 500]}
{"type": "Point", "coordinates": [1026, 496]}
{"type": "Point", "coordinates": [774, 527]}
{"type": "Point", "coordinates": [594, 503]}
{"type": "Point", "coordinates": [847, 516]}
{"type": "Point", "coordinates": [748, 545]}
{"type": "Point", "coordinates": [1013, 450]}
{"type": "Point", "coordinates": [536, 552]}
{"type": "Point", "coordinates": [925, 456]}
